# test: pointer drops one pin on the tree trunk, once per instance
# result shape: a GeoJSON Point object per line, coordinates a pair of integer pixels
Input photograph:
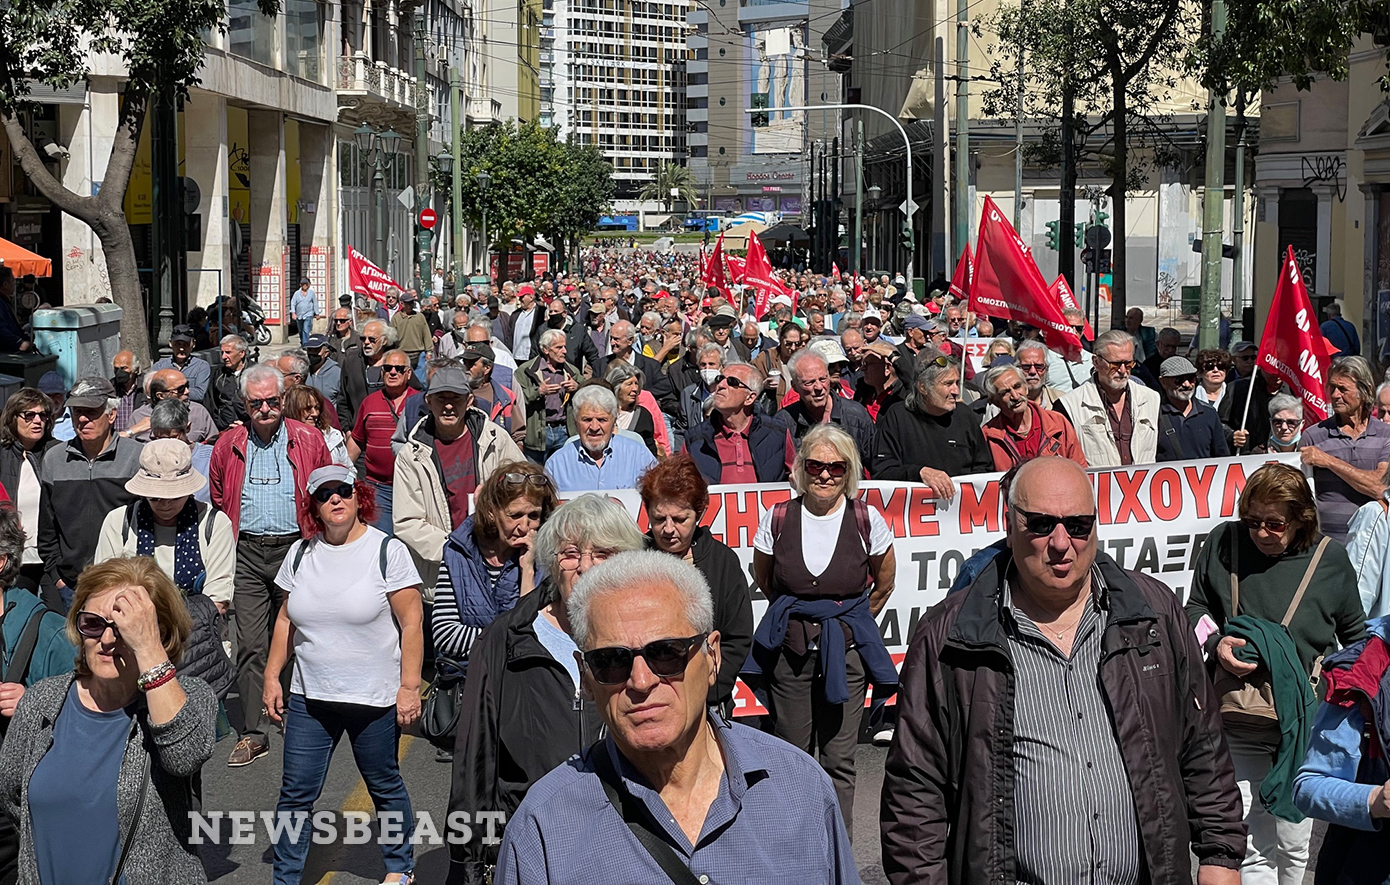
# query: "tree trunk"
{"type": "Point", "coordinates": [103, 213]}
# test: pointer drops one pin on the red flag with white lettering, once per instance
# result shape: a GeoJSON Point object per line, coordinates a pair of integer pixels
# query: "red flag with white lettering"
{"type": "Point", "coordinates": [964, 275]}
{"type": "Point", "coordinates": [1067, 298]}
{"type": "Point", "coordinates": [368, 279]}
{"type": "Point", "coordinates": [757, 272]}
{"type": "Point", "coordinates": [1008, 284]}
{"type": "Point", "coordinates": [735, 267]}
{"type": "Point", "coordinates": [712, 272]}
{"type": "Point", "coordinates": [1293, 347]}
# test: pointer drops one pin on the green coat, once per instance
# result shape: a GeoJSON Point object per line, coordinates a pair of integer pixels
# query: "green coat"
{"type": "Point", "coordinates": [529, 377]}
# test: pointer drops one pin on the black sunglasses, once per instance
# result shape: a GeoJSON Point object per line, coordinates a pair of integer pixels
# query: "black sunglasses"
{"type": "Point", "coordinates": [270, 402]}
{"type": "Point", "coordinates": [836, 469]}
{"type": "Point", "coordinates": [1078, 525]}
{"type": "Point", "coordinates": [665, 658]}
{"type": "Point", "coordinates": [731, 381]}
{"type": "Point", "coordinates": [93, 625]}
{"type": "Point", "coordinates": [395, 370]}
{"type": "Point", "coordinates": [343, 490]}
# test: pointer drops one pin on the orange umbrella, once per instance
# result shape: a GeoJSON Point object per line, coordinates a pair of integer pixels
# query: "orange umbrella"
{"type": "Point", "coordinates": [22, 261]}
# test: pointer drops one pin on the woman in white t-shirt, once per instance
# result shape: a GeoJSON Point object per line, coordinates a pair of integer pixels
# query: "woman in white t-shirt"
{"type": "Point", "coordinates": [825, 546]}
{"type": "Point", "coordinates": [352, 614]}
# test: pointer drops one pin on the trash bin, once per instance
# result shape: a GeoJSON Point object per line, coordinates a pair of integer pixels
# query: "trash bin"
{"type": "Point", "coordinates": [84, 337]}
{"type": "Point", "coordinates": [1191, 300]}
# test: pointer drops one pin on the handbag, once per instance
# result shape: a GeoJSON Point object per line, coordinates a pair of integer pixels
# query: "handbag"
{"type": "Point", "coordinates": [439, 710]}
{"type": "Point", "coordinates": [134, 823]}
{"type": "Point", "coordinates": [1247, 702]}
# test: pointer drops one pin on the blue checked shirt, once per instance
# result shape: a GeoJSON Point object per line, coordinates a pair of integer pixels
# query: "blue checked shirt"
{"type": "Point", "coordinates": [267, 494]}
{"type": "Point", "coordinates": [624, 461]}
{"type": "Point", "coordinates": [776, 819]}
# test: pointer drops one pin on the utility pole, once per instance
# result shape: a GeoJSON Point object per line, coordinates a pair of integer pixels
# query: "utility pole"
{"type": "Point", "coordinates": [1214, 199]}
{"type": "Point", "coordinates": [1238, 329]}
{"type": "Point", "coordinates": [1066, 200]}
{"type": "Point", "coordinates": [858, 245]}
{"type": "Point", "coordinates": [456, 215]}
{"type": "Point", "coordinates": [424, 278]}
{"type": "Point", "coordinates": [962, 125]}
{"type": "Point", "coordinates": [832, 207]}
{"type": "Point", "coordinates": [941, 251]}
{"type": "Point", "coordinates": [167, 217]}
{"type": "Point", "coordinates": [1018, 135]}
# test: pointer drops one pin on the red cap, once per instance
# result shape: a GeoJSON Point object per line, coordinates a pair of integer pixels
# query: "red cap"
{"type": "Point", "coordinates": [525, 288]}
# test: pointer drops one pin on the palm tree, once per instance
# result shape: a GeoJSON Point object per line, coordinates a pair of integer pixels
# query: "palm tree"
{"type": "Point", "coordinates": [671, 176]}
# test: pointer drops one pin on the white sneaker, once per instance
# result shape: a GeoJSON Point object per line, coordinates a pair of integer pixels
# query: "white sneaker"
{"type": "Point", "coordinates": [884, 736]}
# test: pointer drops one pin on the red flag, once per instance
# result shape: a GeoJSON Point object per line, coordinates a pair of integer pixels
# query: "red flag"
{"type": "Point", "coordinates": [1293, 347]}
{"type": "Point", "coordinates": [757, 272]}
{"type": "Point", "coordinates": [1067, 299]}
{"type": "Point", "coordinates": [835, 270]}
{"type": "Point", "coordinates": [964, 275]}
{"type": "Point", "coordinates": [712, 271]}
{"type": "Point", "coordinates": [1008, 284]}
{"type": "Point", "coordinates": [858, 287]}
{"type": "Point", "coordinates": [735, 267]}
{"type": "Point", "coordinates": [368, 279]}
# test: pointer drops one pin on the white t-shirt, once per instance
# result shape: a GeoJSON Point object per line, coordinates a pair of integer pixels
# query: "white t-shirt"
{"type": "Point", "coordinates": [819, 535]}
{"type": "Point", "coordinates": [28, 504]}
{"type": "Point", "coordinates": [346, 645]}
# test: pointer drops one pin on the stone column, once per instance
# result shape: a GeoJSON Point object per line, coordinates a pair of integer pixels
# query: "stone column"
{"type": "Point", "coordinates": [319, 212]}
{"type": "Point", "coordinates": [266, 134]}
{"type": "Point", "coordinates": [205, 162]}
{"type": "Point", "coordinates": [1323, 272]}
{"type": "Point", "coordinates": [87, 132]}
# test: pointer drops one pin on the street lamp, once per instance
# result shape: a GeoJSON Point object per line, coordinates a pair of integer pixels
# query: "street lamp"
{"type": "Point", "coordinates": [484, 180]}
{"type": "Point", "coordinates": [444, 165]}
{"type": "Point", "coordinates": [378, 151]}
{"type": "Point", "coordinates": [874, 193]}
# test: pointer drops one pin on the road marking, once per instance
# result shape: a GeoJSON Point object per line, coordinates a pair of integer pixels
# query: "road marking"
{"type": "Point", "coordinates": [359, 800]}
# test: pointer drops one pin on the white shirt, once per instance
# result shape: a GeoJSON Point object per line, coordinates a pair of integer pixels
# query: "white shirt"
{"type": "Point", "coordinates": [346, 645]}
{"type": "Point", "coordinates": [28, 505]}
{"type": "Point", "coordinates": [217, 547]}
{"type": "Point", "coordinates": [819, 535]}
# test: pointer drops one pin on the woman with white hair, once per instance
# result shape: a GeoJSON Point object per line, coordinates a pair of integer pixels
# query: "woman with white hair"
{"type": "Point", "coordinates": [522, 713]}
{"type": "Point", "coordinates": [825, 560]}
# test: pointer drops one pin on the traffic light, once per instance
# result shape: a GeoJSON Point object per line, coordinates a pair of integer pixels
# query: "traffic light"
{"type": "Point", "coordinates": [1053, 240]}
{"type": "Point", "coordinates": [905, 238]}
{"type": "Point", "coordinates": [758, 101]}
{"type": "Point", "coordinates": [1102, 217]}
{"type": "Point", "coordinates": [1080, 235]}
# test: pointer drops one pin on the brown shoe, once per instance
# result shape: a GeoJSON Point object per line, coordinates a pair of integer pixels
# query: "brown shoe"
{"type": "Point", "coordinates": [245, 752]}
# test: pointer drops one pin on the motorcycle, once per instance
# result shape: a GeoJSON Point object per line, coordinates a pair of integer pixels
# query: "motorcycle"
{"type": "Point", "coordinates": [253, 321]}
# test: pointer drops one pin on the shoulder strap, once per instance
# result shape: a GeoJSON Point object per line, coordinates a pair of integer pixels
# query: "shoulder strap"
{"type": "Point", "coordinates": [779, 515]}
{"type": "Point", "coordinates": [299, 556]}
{"type": "Point", "coordinates": [209, 516]}
{"type": "Point", "coordinates": [129, 521]}
{"type": "Point", "coordinates": [385, 542]}
{"type": "Point", "coordinates": [1166, 423]}
{"type": "Point", "coordinates": [135, 821]}
{"type": "Point", "coordinates": [1307, 579]}
{"type": "Point", "coordinates": [631, 812]}
{"type": "Point", "coordinates": [861, 516]}
{"type": "Point", "coordinates": [18, 667]}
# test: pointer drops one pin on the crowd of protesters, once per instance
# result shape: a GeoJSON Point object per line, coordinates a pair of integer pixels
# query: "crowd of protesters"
{"type": "Point", "coordinates": [406, 496]}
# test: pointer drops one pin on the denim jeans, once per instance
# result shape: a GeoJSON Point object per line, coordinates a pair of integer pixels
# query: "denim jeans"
{"type": "Point", "coordinates": [306, 327]}
{"type": "Point", "coordinates": [312, 732]}
{"type": "Point", "coordinates": [383, 507]}
{"type": "Point", "coordinates": [555, 437]}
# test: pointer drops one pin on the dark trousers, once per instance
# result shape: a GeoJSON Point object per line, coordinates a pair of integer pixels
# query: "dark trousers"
{"type": "Point", "coordinates": [257, 600]}
{"type": "Point", "coordinates": [802, 717]}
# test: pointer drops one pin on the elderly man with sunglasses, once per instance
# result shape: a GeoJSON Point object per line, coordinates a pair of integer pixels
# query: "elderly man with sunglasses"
{"type": "Point", "coordinates": [1188, 428]}
{"type": "Point", "coordinates": [1056, 722]}
{"type": "Point", "coordinates": [737, 443]}
{"type": "Point", "coordinates": [167, 384]}
{"type": "Point", "coordinates": [258, 476]}
{"type": "Point", "coordinates": [1115, 416]}
{"type": "Point", "coordinates": [674, 793]}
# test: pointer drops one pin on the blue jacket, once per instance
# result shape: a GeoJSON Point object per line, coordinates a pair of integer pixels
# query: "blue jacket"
{"type": "Point", "coordinates": [479, 604]}
{"type": "Point", "coordinates": [772, 631]}
{"type": "Point", "coordinates": [53, 654]}
{"type": "Point", "coordinates": [767, 442]}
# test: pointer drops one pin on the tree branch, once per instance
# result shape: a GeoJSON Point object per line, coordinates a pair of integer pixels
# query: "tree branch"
{"type": "Point", "coordinates": [77, 206]}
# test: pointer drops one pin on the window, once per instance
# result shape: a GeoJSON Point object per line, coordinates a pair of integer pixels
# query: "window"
{"type": "Point", "coordinates": [250, 34]}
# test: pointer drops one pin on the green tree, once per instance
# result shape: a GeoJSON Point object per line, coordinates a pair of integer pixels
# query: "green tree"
{"type": "Point", "coordinates": [585, 193]}
{"type": "Point", "coordinates": [161, 44]}
{"type": "Point", "coordinates": [669, 177]}
{"type": "Point", "coordinates": [1122, 59]}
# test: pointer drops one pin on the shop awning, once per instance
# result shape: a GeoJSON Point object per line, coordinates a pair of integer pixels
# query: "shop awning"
{"type": "Point", "coordinates": [22, 261]}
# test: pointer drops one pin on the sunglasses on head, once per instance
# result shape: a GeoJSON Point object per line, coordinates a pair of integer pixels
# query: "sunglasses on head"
{"type": "Point", "coordinates": [94, 626]}
{"type": "Point", "coordinates": [665, 658]}
{"type": "Point", "coordinates": [941, 362]}
{"type": "Point", "coordinates": [343, 490]}
{"type": "Point", "coordinates": [836, 469]}
{"type": "Point", "coordinates": [536, 479]}
{"type": "Point", "coordinates": [1078, 525]}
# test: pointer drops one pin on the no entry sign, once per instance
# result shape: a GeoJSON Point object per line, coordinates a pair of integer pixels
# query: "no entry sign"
{"type": "Point", "coordinates": [428, 219]}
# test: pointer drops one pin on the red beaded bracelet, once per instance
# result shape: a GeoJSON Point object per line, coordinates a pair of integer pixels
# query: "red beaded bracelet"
{"type": "Point", "coordinates": [156, 683]}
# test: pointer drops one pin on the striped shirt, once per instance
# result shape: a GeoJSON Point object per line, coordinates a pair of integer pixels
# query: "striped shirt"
{"type": "Point", "coordinates": [452, 637]}
{"type": "Point", "coordinates": [267, 492]}
{"type": "Point", "coordinates": [1074, 815]}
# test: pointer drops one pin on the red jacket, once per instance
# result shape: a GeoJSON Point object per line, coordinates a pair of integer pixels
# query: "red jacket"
{"type": "Point", "coordinates": [227, 472]}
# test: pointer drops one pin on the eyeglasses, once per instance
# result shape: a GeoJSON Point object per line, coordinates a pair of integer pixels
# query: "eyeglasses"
{"type": "Point", "coordinates": [371, 338]}
{"type": "Point", "coordinates": [94, 626]}
{"type": "Point", "coordinates": [345, 320]}
{"type": "Point", "coordinates": [177, 391]}
{"type": "Point", "coordinates": [836, 469]}
{"type": "Point", "coordinates": [1118, 364]}
{"type": "Point", "coordinates": [1285, 422]}
{"type": "Point", "coordinates": [1184, 380]}
{"type": "Point", "coordinates": [666, 658]}
{"type": "Point", "coordinates": [1273, 526]}
{"type": "Point", "coordinates": [34, 415]}
{"type": "Point", "coordinates": [732, 381]}
{"type": "Point", "coordinates": [1078, 525]}
{"type": "Point", "coordinates": [1207, 367]}
{"type": "Point", "coordinates": [395, 370]}
{"type": "Point", "coordinates": [272, 403]}
{"type": "Point", "coordinates": [540, 480]}
{"type": "Point", "coordinates": [573, 556]}
{"type": "Point", "coordinates": [1033, 367]}
{"type": "Point", "coordinates": [343, 490]}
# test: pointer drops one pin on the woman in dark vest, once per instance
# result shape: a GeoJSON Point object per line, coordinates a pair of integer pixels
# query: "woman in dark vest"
{"type": "Point", "coordinates": [26, 432]}
{"type": "Point", "coordinates": [825, 560]}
